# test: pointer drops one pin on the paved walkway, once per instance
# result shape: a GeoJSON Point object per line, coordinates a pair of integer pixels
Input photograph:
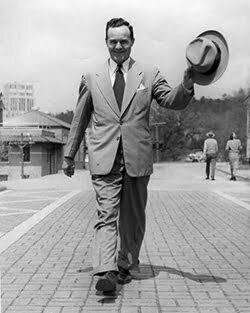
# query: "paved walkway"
{"type": "Point", "coordinates": [16, 206]}
{"type": "Point", "coordinates": [195, 256]}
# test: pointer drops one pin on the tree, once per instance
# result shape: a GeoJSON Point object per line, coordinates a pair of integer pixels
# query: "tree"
{"type": "Point", "coordinates": [185, 131]}
{"type": "Point", "coordinates": [65, 116]}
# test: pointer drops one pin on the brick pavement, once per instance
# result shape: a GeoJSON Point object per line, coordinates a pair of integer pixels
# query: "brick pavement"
{"type": "Point", "coordinates": [195, 259]}
{"type": "Point", "coordinates": [18, 205]}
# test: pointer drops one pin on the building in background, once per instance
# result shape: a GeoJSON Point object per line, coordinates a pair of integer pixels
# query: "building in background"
{"type": "Point", "coordinates": [32, 145]}
{"type": "Point", "coordinates": [19, 98]}
{"type": "Point", "coordinates": [247, 102]}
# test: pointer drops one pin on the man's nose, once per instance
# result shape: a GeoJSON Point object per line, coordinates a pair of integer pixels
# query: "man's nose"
{"type": "Point", "coordinates": [118, 45]}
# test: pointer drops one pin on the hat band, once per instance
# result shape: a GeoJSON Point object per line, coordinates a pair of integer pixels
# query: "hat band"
{"type": "Point", "coordinates": [216, 63]}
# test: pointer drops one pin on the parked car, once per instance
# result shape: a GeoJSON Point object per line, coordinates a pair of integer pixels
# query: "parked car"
{"type": "Point", "coordinates": [197, 156]}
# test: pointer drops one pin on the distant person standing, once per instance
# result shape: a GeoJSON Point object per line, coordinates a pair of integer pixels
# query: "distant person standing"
{"type": "Point", "coordinates": [233, 147]}
{"type": "Point", "coordinates": [210, 150]}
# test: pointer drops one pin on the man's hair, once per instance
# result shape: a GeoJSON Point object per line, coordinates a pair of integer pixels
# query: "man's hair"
{"type": "Point", "coordinates": [117, 22]}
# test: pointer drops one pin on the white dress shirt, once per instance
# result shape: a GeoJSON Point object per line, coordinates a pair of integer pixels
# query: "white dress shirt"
{"type": "Point", "coordinates": [113, 68]}
{"type": "Point", "coordinates": [124, 68]}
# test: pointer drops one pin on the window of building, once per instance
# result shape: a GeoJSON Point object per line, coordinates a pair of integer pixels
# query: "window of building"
{"type": "Point", "coordinates": [26, 154]}
{"type": "Point", "coordinates": [30, 103]}
{"type": "Point", "coordinates": [21, 104]}
{"type": "Point", "coordinates": [3, 177]}
{"type": "Point", "coordinates": [13, 104]}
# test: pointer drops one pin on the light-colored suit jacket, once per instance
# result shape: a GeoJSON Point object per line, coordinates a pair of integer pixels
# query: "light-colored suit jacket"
{"type": "Point", "coordinates": [97, 107]}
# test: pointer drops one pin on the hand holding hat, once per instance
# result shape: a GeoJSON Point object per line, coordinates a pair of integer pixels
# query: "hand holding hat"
{"type": "Point", "coordinates": [188, 81]}
{"type": "Point", "coordinates": [208, 56]}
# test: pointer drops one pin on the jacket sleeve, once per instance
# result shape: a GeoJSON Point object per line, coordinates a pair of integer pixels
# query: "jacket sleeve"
{"type": "Point", "coordinates": [205, 147]}
{"type": "Point", "coordinates": [216, 147]}
{"type": "Point", "coordinates": [176, 98]}
{"type": "Point", "coordinates": [240, 146]}
{"type": "Point", "coordinates": [80, 120]}
{"type": "Point", "coordinates": [228, 146]}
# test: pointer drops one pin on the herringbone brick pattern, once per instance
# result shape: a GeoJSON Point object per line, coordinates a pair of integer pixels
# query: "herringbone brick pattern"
{"type": "Point", "coordinates": [195, 259]}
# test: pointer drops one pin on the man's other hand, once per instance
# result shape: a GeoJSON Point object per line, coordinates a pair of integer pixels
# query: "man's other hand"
{"type": "Point", "coordinates": [68, 166]}
{"type": "Point", "coordinates": [188, 81]}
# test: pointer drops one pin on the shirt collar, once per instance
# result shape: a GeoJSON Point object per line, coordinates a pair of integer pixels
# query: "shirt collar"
{"type": "Point", "coordinates": [113, 65]}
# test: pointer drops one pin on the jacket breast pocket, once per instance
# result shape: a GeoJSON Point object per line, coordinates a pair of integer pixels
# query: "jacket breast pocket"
{"type": "Point", "coordinates": [141, 92]}
{"type": "Point", "coordinates": [141, 98]}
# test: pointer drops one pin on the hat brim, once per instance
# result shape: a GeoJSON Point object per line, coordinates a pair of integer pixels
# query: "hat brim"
{"type": "Point", "coordinates": [207, 79]}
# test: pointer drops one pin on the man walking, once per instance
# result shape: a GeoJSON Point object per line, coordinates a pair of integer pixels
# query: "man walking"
{"type": "Point", "coordinates": [210, 150]}
{"type": "Point", "coordinates": [114, 100]}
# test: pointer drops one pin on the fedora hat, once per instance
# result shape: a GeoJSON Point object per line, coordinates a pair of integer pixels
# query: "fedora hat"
{"type": "Point", "coordinates": [208, 56]}
{"type": "Point", "coordinates": [210, 134]}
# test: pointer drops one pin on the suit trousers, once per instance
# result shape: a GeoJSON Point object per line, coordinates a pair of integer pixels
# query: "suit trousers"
{"type": "Point", "coordinates": [210, 160]}
{"type": "Point", "coordinates": [120, 227]}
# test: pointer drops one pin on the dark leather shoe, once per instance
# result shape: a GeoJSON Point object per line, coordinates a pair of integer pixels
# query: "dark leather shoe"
{"type": "Point", "coordinates": [124, 276]}
{"type": "Point", "coordinates": [107, 282]}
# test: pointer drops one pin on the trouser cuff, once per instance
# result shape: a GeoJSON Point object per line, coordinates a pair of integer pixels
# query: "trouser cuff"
{"type": "Point", "coordinates": [105, 268]}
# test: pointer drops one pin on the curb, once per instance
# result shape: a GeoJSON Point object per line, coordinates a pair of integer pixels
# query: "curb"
{"type": "Point", "coordinates": [233, 199]}
{"type": "Point", "coordinates": [238, 176]}
{"type": "Point", "coordinates": [16, 233]}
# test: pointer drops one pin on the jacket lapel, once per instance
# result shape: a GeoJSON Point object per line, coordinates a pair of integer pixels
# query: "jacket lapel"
{"type": "Point", "coordinates": [134, 79]}
{"type": "Point", "coordinates": [104, 84]}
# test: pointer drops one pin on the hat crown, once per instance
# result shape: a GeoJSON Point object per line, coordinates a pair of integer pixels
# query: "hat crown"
{"type": "Point", "coordinates": [201, 54]}
{"type": "Point", "coordinates": [210, 134]}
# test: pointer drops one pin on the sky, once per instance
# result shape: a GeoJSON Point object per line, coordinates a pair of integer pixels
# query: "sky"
{"type": "Point", "coordinates": [50, 42]}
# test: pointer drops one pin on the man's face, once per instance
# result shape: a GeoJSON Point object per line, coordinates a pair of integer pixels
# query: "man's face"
{"type": "Point", "coordinates": [119, 43]}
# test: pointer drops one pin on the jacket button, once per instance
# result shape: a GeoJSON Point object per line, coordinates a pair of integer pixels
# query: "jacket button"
{"type": "Point", "coordinates": [117, 138]}
{"type": "Point", "coordinates": [121, 122]}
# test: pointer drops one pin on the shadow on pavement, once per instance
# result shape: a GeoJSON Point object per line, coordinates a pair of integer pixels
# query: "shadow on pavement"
{"type": "Point", "coordinates": [147, 271]}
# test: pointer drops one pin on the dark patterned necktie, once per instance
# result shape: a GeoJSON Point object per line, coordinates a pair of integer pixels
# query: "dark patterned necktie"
{"type": "Point", "coordinates": [119, 85]}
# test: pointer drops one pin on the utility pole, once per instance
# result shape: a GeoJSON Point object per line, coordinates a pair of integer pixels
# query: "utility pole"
{"type": "Point", "coordinates": [157, 139]}
{"type": "Point", "coordinates": [248, 129]}
{"type": "Point", "coordinates": [21, 147]}
{"type": "Point", "coordinates": [22, 143]}
{"type": "Point", "coordinates": [1, 109]}
{"type": "Point", "coordinates": [247, 100]}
